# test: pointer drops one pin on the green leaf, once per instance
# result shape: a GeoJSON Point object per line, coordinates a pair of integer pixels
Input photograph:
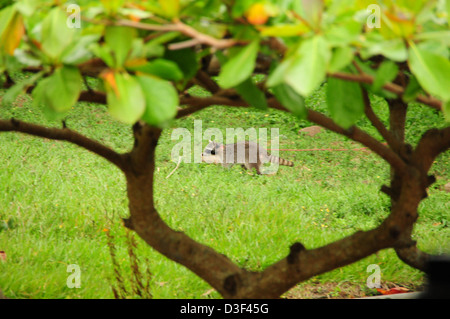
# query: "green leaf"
{"type": "Point", "coordinates": [392, 49]}
{"type": "Point", "coordinates": [239, 67]}
{"type": "Point", "coordinates": [171, 8]}
{"type": "Point", "coordinates": [412, 90]}
{"type": "Point", "coordinates": [431, 70]}
{"type": "Point", "coordinates": [19, 88]}
{"type": "Point", "coordinates": [240, 6]}
{"type": "Point", "coordinates": [103, 52]}
{"type": "Point", "coordinates": [186, 60]}
{"type": "Point", "coordinates": [78, 52]}
{"type": "Point", "coordinates": [308, 69]}
{"type": "Point", "coordinates": [290, 100]}
{"type": "Point", "coordinates": [165, 69]}
{"type": "Point", "coordinates": [278, 74]}
{"type": "Point", "coordinates": [447, 7]}
{"type": "Point", "coordinates": [436, 47]}
{"type": "Point", "coordinates": [126, 100]}
{"type": "Point", "coordinates": [60, 91]}
{"type": "Point", "coordinates": [252, 94]}
{"type": "Point", "coordinates": [112, 6]}
{"type": "Point", "coordinates": [343, 34]}
{"type": "Point", "coordinates": [120, 40]}
{"type": "Point", "coordinates": [164, 38]}
{"type": "Point", "coordinates": [446, 110]}
{"type": "Point", "coordinates": [6, 16]}
{"type": "Point", "coordinates": [386, 72]}
{"type": "Point", "coordinates": [442, 36]}
{"type": "Point", "coordinates": [342, 56]}
{"type": "Point", "coordinates": [56, 36]}
{"type": "Point", "coordinates": [27, 7]}
{"type": "Point", "coordinates": [161, 100]}
{"type": "Point", "coordinates": [284, 30]}
{"type": "Point", "coordinates": [345, 101]}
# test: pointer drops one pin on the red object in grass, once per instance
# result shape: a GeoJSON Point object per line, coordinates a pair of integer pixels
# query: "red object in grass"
{"type": "Point", "coordinates": [392, 291]}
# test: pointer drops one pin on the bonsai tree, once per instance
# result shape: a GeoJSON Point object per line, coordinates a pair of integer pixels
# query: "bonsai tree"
{"type": "Point", "coordinates": [147, 54]}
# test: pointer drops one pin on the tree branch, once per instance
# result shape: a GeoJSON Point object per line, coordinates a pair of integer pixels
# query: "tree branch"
{"type": "Point", "coordinates": [391, 87]}
{"type": "Point", "coordinates": [178, 26]}
{"type": "Point", "coordinates": [360, 136]}
{"type": "Point", "coordinates": [205, 81]}
{"type": "Point", "coordinates": [63, 134]}
{"type": "Point", "coordinates": [376, 122]}
{"type": "Point", "coordinates": [413, 257]}
{"type": "Point", "coordinates": [432, 143]}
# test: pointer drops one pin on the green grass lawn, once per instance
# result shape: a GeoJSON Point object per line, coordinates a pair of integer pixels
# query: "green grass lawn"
{"type": "Point", "coordinates": [59, 200]}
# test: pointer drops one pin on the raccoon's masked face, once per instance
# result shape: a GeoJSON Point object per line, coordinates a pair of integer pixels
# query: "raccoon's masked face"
{"type": "Point", "coordinates": [211, 151]}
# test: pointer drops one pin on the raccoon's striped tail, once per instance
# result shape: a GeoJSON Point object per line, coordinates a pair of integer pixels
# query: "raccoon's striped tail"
{"type": "Point", "coordinates": [279, 160]}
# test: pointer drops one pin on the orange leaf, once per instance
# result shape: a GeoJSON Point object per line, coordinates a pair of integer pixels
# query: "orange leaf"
{"type": "Point", "coordinates": [134, 18]}
{"type": "Point", "coordinates": [36, 43]}
{"type": "Point", "coordinates": [257, 14]}
{"type": "Point", "coordinates": [110, 80]}
{"type": "Point", "coordinates": [13, 33]}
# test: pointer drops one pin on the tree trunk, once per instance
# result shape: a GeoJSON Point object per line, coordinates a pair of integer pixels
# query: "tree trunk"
{"type": "Point", "coordinates": [409, 254]}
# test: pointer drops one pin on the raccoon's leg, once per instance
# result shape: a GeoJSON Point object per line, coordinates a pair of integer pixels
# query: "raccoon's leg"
{"type": "Point", "coordinates": [256, 166]}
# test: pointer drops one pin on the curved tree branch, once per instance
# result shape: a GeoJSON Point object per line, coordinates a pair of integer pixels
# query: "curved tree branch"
{"type": "Point", "coordinates": [63, 134]}
{"type": "Point", "coordinates": [413, 257]}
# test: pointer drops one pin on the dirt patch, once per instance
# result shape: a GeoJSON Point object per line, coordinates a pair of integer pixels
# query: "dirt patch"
{"type": "Point", "coordinates": [311, 130]}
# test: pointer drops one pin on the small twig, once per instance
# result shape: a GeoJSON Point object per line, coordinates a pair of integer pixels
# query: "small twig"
{"type": "Point", "coordinates": [300, 18]}
{"type": "Point", "coordinates": [356, 65]}
{"type": "Point", "coordinates": [178, 164]}
{"type": "Point", "coordinates": [184, 44]}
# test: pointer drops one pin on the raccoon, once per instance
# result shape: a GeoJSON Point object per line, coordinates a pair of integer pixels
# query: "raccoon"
{"type": "Point", "coordinates": [249, 154]}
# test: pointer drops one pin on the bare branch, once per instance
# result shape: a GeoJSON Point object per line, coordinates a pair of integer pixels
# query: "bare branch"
{"type": "Point", "coordinates": [63, 134]}
{"type": "Point", "coordinates": [207, 82]}
{"type": "Point", "coordinates": [432, 143]}
{"type": "Point", "coordinates": [413, 257]}
{"type": "Point", "coordinates": [360, 136]}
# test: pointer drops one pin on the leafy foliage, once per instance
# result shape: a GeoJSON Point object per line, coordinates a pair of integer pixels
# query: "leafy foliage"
{"type": "Point", "coordinates": [321, 38]}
